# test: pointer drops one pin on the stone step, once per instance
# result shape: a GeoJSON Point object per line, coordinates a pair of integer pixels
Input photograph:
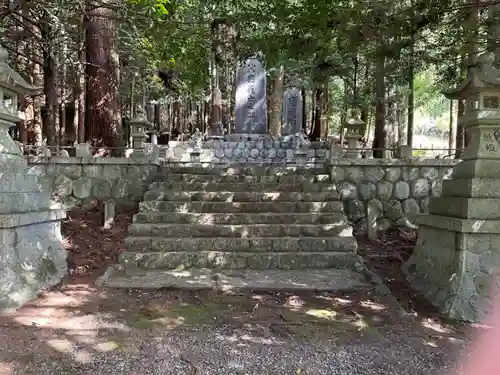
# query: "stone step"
{"type": "Point", "coordinates": [229, 196]}
{"type": "Point", "coordinates": [256, 244]}
{"type": "Point", "coordinates": [232, 260]}
{"type": "Point", "coordinates": [242, 207]}
{"type": "Point", "coordinates": [293, 178]}
{"type": "Point", "coordinates": [245, 187]}
{"type": "Point", "coordinates": [238, 218]}
{"type": "Point", "coordinates": [238, 231]}
{"type": "Point", "coordinates": [323, 280]}
{"type": "Point", "coordinates": [243, 170]}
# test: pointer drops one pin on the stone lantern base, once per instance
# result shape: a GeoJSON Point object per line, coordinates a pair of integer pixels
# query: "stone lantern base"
{"type": "Point", "coordinates": [33, 256]}
{"type": "Point", "coordinates": [456, 262]}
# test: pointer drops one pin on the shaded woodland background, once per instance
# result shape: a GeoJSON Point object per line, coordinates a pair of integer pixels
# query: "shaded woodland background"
{"type": "Point", "coordinates": [98, 60]}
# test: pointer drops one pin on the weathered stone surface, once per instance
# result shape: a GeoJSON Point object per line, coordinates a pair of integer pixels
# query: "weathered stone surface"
{"type": "Point", "coordinates": [73, 182]}
{"type": "Point", "coordinates": [456, 280]}
{"type": "Point", "coordinates": [355, 209]}
{"type": "Point", "coordinates": [401, 190]}
{"type": "Point", "coordinates": [384, 190]}
{"type": "Point", "coordinates": [420, 188]}
{"type": "Point", "coordinates": [367, 190]}
{"type": "Point", "coordinates": [82, 188]}
{"type": "Point", "coordinates": [411, 207]}
{"type": "Point", "coordinates": [393, 209]}
{"type": "Point", "coordinates": [63, 186]}
{"type": "Point", "coordinates": [348, 190]}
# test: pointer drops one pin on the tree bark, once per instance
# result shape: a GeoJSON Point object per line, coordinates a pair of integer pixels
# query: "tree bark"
{"type": "Point", "coordinates": [103, 117]}
{"type": "Point", "coordinates": [380, 137]}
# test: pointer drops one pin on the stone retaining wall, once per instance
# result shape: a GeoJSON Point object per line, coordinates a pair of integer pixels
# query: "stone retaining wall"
{"type": "Point", "coordinates": [395, 190]}
{"type": "Point", "coordinates": [267, 150]}
{"type": "Point", "coordinates": [75, 181]}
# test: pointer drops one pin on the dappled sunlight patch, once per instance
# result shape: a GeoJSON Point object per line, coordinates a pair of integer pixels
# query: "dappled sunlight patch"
{"type": "Point", "coordinates": [373, 305]}
{"type": "Point", "coordinates": [323, 314]}
{"type": "Point", "coordinates": [434, 326]}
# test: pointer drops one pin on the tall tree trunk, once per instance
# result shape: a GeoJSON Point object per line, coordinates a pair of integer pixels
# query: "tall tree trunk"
{"type": "Point", "coordinates": [411, 96]}
{"type": "Point", "coordinates": [103, 117]}
{"type": "Point", "coordinates": [276, 102]}
{"type": "Point", "coordinates": [49, 83]}
{"type": "Point", "coordinates": [380, 137]}
{"type": "Point", "coordinates": [304, 108]}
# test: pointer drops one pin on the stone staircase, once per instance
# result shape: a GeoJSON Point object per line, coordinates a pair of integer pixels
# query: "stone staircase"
{"type": "Point", "coordinates": [238, 218]}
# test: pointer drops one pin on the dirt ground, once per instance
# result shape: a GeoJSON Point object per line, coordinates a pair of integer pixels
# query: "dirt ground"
{"type": "Point", "coordinates": [78, 328]}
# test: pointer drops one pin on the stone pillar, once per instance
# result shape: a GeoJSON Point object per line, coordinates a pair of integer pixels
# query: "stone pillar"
{"type": "Point", "coordinates": [456, 262]}
{"type": "Point", "coordinates": [404, 152]}
{"type": "Point", "coordinates": [33, 256]}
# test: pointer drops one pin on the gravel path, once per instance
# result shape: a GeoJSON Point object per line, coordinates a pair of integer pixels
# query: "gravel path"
{"type": "Point", "coordinates": [80, 329]}
{"type": "Point", "coordinates": [218, 353]}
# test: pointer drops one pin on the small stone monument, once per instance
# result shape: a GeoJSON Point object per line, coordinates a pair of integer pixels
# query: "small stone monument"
{"type": "Point", "coordinates": [355, 130]}
{"type": "Point", "coordinates": [33, 256]}
{"type": "Point", "coordinates": [197, 143]}
{"type": "Point", "coordinates": [292, 112]}
{"type": "Point", "coordinates": [83, 150]}
{"type": "Point", "coordinates": [456, 262]}
{"type": "Point", "coordinates": [251, 99]}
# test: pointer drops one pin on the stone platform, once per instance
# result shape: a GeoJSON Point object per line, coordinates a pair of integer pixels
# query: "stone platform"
{"type": "Point", "coordinates": [265, 150]}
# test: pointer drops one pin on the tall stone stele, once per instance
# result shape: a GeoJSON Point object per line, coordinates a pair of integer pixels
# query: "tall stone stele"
{"type": "Point", "coordinates": [456, 260]}
{"type": "Point", "coordinates": [32, 254]}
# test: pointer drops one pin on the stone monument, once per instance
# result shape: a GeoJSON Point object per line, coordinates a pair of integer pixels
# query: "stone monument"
{"type": "Point", "coordinates": [33, 256]}
{"type": "Point", "coordinates": [251, 100]}
{"type": "Point", "coordinates": [456, 261]}
{"type": "Point", "coordinates": [292, 112]}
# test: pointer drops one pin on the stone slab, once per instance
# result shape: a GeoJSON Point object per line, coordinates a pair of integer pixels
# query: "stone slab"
{"type": "Point", "coordinates": [28, 218]}
{"type": "Point", "coordinates": [237, 280]}
{"type": "Point", "coordinates": [241, 170]}
{"type": "Point", "coordinates": [459, 225]}
{"type": "Point", "coordinates": [238, 218]}
{"type": "Point", "coordinates": [19, 183]}
{"type": "Point", "coordinates": [240, 260]}
{"type": "Point", "coordinates": [474, 188]}
{"type": "Point", "coordinates": [242, 207]}
{"type": "Point", "coordinates": [296, 178]}
{"type": "Point", "coordinates": [466, 208]}
{"type": "Point", "coordinates": [242, 196]}
{"type": "Point", "coordinates": [245, 187]}
{"type": "Point", "coordinates": [239, 231]}
{"type": "Point", "coordinates": [256, 244]}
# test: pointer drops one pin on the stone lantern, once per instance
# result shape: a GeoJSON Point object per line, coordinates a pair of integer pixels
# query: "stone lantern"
{"type": "Point", "coordinates": [355, 130]}
{"type": "Point", "coordinates": [138, 130]}
{"type": "Point", "coordinates": [33, 256]}
{"type": "Point", "coordinates": [11, 85]}
{"type": "Point", "coordinates": [456, 261]}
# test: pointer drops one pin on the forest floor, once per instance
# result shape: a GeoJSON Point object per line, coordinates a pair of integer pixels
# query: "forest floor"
{"type": "Point", "coordinates": [78, 328]}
